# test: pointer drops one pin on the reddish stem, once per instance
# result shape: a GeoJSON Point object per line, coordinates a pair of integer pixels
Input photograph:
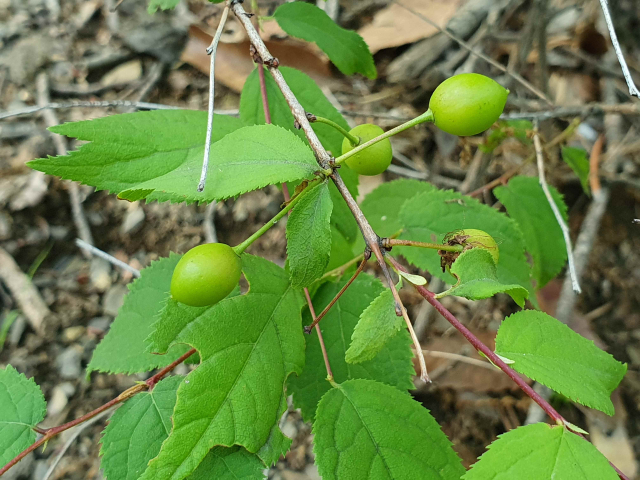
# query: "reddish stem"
{"type": "Point", "coordinates": [287, 197]}
{"type": "Point", "coordinates": [317, 319]}
{"type": "Point", "coordinates": [263, 93]}
{"type": "Point", "coordinates": [49, 433]}
{"type": "Point", "coordinates": [481, 347]}
{"type": "Point", "coordinates": [158, 376]}
{"type": "Point", "coordinates": [325, 355]}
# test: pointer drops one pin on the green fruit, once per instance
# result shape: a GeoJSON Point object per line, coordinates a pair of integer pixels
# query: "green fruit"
{"type": "Point", "coordinates": [479, 239]}
{"type": "Point", "coordinates": [468, 238]}
{"type": "Point", "coordinates": [467, 104]}
{"type": "Point", "coordinates": [206, 274]}
{"type": "Point", "coordinates": [372, 160]}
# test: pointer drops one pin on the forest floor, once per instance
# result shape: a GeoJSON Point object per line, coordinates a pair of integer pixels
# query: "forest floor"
{"type": "Point", "coordinates": [68, 50]}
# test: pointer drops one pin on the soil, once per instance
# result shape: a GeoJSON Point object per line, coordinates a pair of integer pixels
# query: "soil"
{"type": "Point", "coordinates": [90, 53]}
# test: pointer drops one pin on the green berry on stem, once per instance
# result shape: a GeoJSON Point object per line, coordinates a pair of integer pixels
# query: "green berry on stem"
{"type": "Point", "coordinates": [205, 275]}
{"type": "Point", "coordinates": [374, 159]}
{"type": "Point", "coordinates": [469, 238]}
{"type": "Point", "coordinates": [467, 104]}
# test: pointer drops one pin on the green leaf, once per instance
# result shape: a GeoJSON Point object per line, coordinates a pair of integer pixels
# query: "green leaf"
{"type": "Point", "coordinates": [22, 407]}
{"type": "Point", "coordinates": [368, 430]}
{"type": "Point", "coordinates": [246, 159]}
{"type": "Point", "coordinates": [308, 94]}
{"type": "Point", "coordinates": [526, 203]}
{"type": "Point", "coordinates": [155, 149]}
{"type": "Point", "coordinates": [159, 156]}
{"type": "Point", "coordinates": [377, 325]}
{"type": "Point", "coordinates": [154, 5]}
{"type": "Point", "coordinates": [429, 216]}
{"type": "Point", "coordinates": [541, 452]}
{"type": "Point", "coordinates": [312, 100]}
{"type": "Point", "coordinates": [309, 236]}
{"type": "Point", "coordinates": [546, 350]}
{"type": "Point", "coordinates": [341, 217]}
{"type": "Point", "coordinates": [341, 250]}
{"type": "Point", "coordinates": [346, 49]}
{"type": "Point", "coordinates": [249, 345]}
{"type": "Point", "coordinates": [277, 443]}
{"type": "Point", "coordinates": [381, 206]}
{"type": "Point", "coordinates": [136, 431]}
{"type": "Point", "coordinates": [392, 365]}
{"type": "Point", "coordinates": [123, 349]}
{"type": "Point", "coordinates": [477, 279]}
{"type": "Point", "coordinates": [578, 160]}
{"type": "Point", "coordinates": [233, 463]}
{"type": "Point", "coordinates": [507, 128]}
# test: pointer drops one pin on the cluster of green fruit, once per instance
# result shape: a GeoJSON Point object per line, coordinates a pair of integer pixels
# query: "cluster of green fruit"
{"type": "Point", "coordinates": [463, 105]}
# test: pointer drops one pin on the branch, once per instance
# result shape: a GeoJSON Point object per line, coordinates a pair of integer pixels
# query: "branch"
{"type": "Point", "coordinates": [456, 357]}
{"type": "Point", "coordinates": [633, 90]}
{"type": "Point", "coordinates": [325, 355]}
{"type": "Point", "coordinates": [49, 433]}
{"type": "Point", "coordinates": [556, 211]}
{"type": "Point", "coordinates": [316, 320]}
{"type": "Point", "coordinates": [211, 50]}
{"type": "Point", "coordinates": [576, 111]}
{"type": "Point", "coordinates": [501, 180]}
{"type": "Point", "coordinates": [109, 258]}
{"type": "Point", "coordinates": [272, 64]}
{"type": "Point", "coordinates": [481, 55]}
{"type": "Point", "coordinates": [322, 156]}
{"type": "Point", "coordinates": [495, 359]}
{"type": "Point", "coordinates": [97, 104]}
{"type": "Point", "coordinates": [50, 119]}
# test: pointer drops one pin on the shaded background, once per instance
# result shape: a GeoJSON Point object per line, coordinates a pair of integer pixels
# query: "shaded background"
{"type": "Point", "coordinates": [65, 50]}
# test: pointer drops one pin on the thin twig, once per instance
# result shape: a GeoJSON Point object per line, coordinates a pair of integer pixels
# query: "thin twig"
{"type": "Point", "coordinates": [109, 258]}
{"type": "Point", "coordinates": [317, 319]}
{"type": "Point", "coordinates": [211, 50]}
{"type": "Point", "coordinates": [501, 180]}
{"type": "Point", "coordinates": [497, 361]}
{"type": "Point", "coordinates": [556, 212]}
{"type": "Point", "coordinates": [263, 94]}
{"type": "Point", "coordinates": [424, 376]}
{"type": "Point", "coordinates": [396, 242]}
{"type": "Point", "coordinates": [161, 106]}
{"type": "Point", "coordinates": [322, 156]}
{"type": "Point", "coordinates": [210, 234]}
{"type": "Point", "coordinates": [633, 90]}
{"type": "Point", "coordinates": [96, 104]}
{"type": "Point", "coordinates": [54, 431]}
{"type": "Point", "coordinates": [78, 430]}
{"type": "Point", "coordinates": [51, 119]}
{"type": "Point", "coordinates": [456, 357]}
{"type": "Point", "coordinates": [575, 111]}
{"type": "Point", "coordinates": [481, 55]}
{"type": "Point", "coordinates": [24, 292]}
{"type": "Point", "coordinates": [325, 355]}
{"type": "Point", "coordinates": [541, 31]}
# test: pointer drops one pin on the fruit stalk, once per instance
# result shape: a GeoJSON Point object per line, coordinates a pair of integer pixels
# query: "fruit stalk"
{"type": "Point", "coordinates": [352, 138]}
{"type": "Point", "coordinates": [425, 117]}
{"type": "Point", "coordinates": [240, 248]}
{"type": "Point", "coordinates": [394, 242]}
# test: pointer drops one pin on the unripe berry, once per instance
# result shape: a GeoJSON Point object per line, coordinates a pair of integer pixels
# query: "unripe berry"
{"type": "Point", "coordinates": [469, 238]}
{"type": "Point", "coordinates": [374, 159]}
{"type": "Point", "coordinates": [467, 104]}
{"type": "Point", "coordinates": [206, 274]}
